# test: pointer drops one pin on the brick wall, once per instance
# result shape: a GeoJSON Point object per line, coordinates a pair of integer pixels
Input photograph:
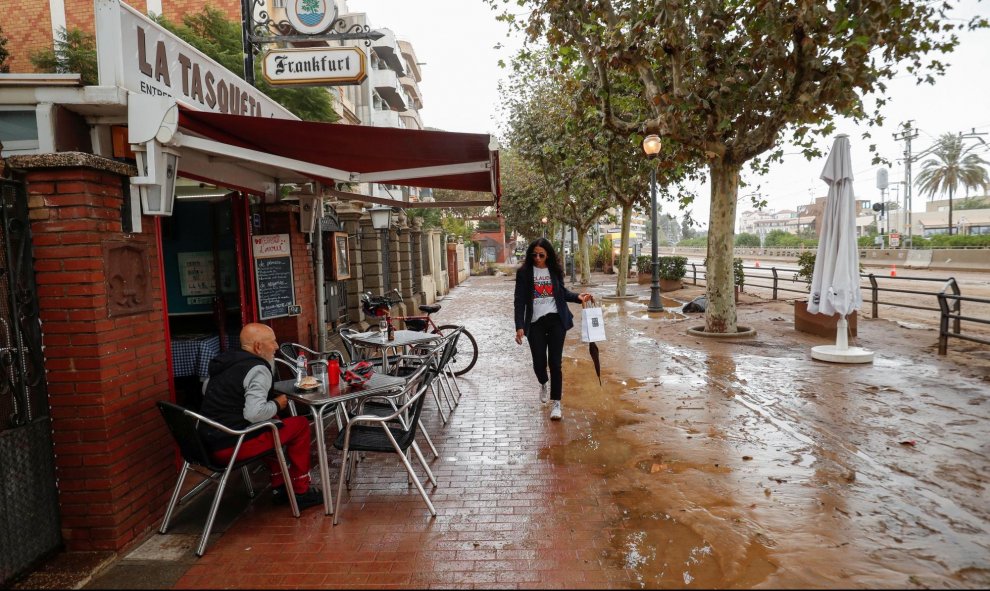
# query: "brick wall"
{"type": "Point", "coordinates": [284, 219]}
{"type": "Point", "coordinates": [114, 457]}
{"type": "Point", "coordinates": [176, 9]}
{"type": "Point", "coordinates": [27, 26]}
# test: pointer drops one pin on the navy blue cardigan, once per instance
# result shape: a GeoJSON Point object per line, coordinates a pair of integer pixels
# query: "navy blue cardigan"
{"type": "Point", "coordinates": [523, 303]}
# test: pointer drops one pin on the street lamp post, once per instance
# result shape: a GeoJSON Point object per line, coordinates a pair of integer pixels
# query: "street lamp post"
{"type": "Point", "coordinates": [651, 145]}
{"type": "Point", "coordinates": [544, 220]}
{"type": "Point", "coordinates": [381, 219]}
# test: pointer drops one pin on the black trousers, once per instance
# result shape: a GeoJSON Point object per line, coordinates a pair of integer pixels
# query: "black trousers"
{"type": "Point", "coordinates": [546, 343]}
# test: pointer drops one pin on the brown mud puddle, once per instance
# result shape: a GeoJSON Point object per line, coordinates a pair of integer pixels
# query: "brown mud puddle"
{"type": "Point", "coordinates": [741, 465]}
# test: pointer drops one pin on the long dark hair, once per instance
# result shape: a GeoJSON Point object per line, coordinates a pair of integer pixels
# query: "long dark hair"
{"type": "Point", "coordinates": [552, 263]}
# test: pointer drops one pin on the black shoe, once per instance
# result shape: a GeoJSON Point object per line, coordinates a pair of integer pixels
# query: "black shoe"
{"type": "Point", "coordinates": [278, 496]}
{"type": "Point", "coordinates": [310, 498]}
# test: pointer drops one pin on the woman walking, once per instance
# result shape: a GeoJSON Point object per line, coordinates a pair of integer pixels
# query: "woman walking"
{"type": "Point", "coordinates": [543, 318]}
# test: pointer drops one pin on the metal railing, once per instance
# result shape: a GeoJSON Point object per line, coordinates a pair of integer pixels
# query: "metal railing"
{"type": "Point", "coordinates": [947, 302]}
{"type": "Point", "coordinates": [953, 311]}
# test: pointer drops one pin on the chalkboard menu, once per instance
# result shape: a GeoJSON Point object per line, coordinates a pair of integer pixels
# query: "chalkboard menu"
{"type": "Point", "coordinates": [273, 273]}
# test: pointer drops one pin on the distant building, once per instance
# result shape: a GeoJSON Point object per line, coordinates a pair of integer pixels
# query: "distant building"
{"type": "Point", "coordinates": [935, 219]}
{"type": "Point", "coordinates": [808, 216]}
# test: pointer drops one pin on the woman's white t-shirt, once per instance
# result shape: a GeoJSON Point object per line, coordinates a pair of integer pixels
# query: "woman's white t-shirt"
{"type": "Point", "coordinates": [543, 301]}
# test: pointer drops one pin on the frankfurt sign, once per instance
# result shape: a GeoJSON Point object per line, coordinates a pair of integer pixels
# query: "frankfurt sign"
{"type": "Point", "coordinates": [323, 66]}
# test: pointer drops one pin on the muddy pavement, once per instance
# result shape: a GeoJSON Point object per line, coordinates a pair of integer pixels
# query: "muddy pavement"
{"type": "Point", "coordinates": [738, 463]}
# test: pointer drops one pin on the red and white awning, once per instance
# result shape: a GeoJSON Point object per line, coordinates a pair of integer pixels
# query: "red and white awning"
{"type": "Point", "coordinates": [344, 153]}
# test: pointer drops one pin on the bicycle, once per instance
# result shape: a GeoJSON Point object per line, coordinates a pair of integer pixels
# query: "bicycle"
{"type": "Point", "coordinates": [466, 354]}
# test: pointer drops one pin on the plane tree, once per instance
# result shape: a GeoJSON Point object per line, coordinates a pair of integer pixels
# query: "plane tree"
{"type": "Point", "coordinates": [726, 80]}
{"type": "Point", "coordinates": [541, 129]}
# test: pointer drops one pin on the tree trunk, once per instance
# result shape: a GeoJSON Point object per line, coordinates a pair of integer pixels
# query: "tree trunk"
{"type": "Point", "coordinates": [950, 209]}
{"type": "Point", "coordinates": [620, 285]}
{"type": "Point", "coordinates": [585, 256]}
{"type": "Point", "coordinates": [720, 316]}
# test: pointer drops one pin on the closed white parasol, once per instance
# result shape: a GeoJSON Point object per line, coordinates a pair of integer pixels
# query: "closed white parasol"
{"type": "Point", "coordinates": [835, 282]}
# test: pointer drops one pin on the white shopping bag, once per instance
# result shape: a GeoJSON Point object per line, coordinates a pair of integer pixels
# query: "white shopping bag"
{"type": "Point", "coordinates": [592, 325]}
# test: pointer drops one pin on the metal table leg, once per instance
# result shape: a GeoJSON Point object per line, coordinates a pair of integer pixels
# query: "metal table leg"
{"type": "Point", "coordinates": [321, 454]}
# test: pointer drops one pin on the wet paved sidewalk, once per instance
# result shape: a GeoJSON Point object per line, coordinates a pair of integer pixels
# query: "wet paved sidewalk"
{"type": "Point", "coordinates": [699, 463]}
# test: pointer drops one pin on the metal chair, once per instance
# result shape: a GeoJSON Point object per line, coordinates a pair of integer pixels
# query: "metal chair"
{"type": "Point", "coordinates": [345, 339]}
{"type": "Point", "coordinates": [290, 351]}
{"type": "Point", "coordinates": [359, 353]}
{"type": "Point", "coordinates": [441, 386]}
{"type": "Point", "coordinates": [407, 366]}
{"type": "Point", "coordinates": [374, 434]}
{"type": "Point", "coordinates": [185, 427]}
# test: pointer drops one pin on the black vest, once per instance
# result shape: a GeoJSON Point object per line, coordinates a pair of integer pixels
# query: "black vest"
{"type": "Point", "coordinates": [223, 400]}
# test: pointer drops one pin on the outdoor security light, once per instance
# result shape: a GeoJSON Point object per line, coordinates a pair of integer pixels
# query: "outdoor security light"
{"type": "Point", "coordinates": [159, 169]}
{"type": "Point", "coordinates": [310, 209]}
{"type": "Point", "coordinates": [381, 217]}
{"type": "Point", "coordinates": [651, 144]}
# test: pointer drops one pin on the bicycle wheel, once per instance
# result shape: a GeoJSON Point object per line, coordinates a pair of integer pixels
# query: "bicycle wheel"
{"type": "Point", "coordinates": [466, 354]}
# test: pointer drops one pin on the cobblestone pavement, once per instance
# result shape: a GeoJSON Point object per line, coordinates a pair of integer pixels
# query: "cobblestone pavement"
{"type": "Point", "coordinates": [697, 463]}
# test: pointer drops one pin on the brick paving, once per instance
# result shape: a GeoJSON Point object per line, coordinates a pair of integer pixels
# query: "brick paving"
{"type": "Point", "coordinates": [698, 463]}
{"type": "Point", "coordinates": [509, 514]}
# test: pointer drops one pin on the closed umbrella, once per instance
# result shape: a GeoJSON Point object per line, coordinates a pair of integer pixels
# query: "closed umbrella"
{"type": "Point", "coordinates": [835, 281]}
{"type": "Point", "coordinates": [596, 359]}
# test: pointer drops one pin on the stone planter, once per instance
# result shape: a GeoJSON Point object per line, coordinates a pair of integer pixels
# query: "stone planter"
{"type": "Point", "coordinates": [644, 278]}
{"type": "Point", "coordinates": [819, 324]}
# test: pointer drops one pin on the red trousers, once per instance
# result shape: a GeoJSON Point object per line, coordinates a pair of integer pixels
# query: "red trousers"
{"type": "Point", "coordinates": [295, 436]}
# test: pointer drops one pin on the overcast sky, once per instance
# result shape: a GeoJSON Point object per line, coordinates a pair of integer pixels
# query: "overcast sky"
{"type": "Point", "coordinates": [456, 42]}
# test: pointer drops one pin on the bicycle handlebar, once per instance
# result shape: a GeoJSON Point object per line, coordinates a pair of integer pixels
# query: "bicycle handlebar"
{"type": "Point", "coordinates": [373, 303]}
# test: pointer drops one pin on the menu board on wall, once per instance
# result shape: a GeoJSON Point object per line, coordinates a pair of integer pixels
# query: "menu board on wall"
{"type": "Point", "coordinates": [273, 274]}
{"type": "Point", "coordinates": [196, 275]}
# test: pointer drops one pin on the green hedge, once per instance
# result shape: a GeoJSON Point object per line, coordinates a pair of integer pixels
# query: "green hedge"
{"type": "Point", "coordinates": [672, 267]}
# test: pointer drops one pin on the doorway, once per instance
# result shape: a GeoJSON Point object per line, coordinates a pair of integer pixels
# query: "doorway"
{"type": "Point", "coordinates": [205, 263]}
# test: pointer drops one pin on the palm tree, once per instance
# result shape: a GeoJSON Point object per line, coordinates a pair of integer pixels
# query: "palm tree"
{"type": "Point", "coordinates": [952, 165]}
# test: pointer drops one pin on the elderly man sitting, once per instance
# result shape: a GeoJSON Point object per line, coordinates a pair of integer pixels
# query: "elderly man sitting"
{"type": "Point", "coordinates": [239, 392]}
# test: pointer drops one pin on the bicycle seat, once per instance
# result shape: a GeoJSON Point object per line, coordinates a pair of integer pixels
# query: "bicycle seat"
{"type": "Point", "coordinates": [430, 309]}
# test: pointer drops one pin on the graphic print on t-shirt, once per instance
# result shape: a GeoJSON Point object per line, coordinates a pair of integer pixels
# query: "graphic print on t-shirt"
{"type": "Point", "coordinates": [542, 287]}
{"type": "Point", "coordinates": [543, 302]}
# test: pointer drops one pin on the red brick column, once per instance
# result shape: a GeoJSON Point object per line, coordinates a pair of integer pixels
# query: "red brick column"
{"type": "Point", "coordinates": [106, 369]}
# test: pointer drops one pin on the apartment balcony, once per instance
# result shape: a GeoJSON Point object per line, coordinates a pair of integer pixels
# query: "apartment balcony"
{"type": "Point", "coordinates": [411, 61]}
{"type": "Point", "coordinates": [386, 84]}
{"type": "Point", "coordinates": [386, 119]}
{"type": "Point", "coordinates": [411, 119]}
{"type": "Point", "coordinates": [412, 89]}
{"type": "Point", "coordinates": [388, 51]}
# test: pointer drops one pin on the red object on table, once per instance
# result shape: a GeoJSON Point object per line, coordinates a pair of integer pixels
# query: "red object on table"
{"type": "Point", "coordinates": [333, 372]}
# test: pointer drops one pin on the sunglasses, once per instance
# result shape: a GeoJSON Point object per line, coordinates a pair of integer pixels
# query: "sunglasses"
{"type": "Point", "coordinates": [539, 255]}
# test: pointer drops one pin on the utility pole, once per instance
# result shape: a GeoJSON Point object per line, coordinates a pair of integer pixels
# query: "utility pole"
{"type": "Point", "coordinates": [907, 135]}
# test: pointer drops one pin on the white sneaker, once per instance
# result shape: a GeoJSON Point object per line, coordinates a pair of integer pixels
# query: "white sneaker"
{"type": "Point", "coordinates": [544, 392]}
{"type": "Point", "coordinates": [555, 411]}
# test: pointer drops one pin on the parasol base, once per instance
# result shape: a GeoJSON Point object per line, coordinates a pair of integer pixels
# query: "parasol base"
{"type": "Point", "coordinates": [836, 355]}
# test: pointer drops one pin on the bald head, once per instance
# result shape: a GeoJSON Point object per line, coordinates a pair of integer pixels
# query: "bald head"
{"type": "Point", "coordinates": [259, 339]}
